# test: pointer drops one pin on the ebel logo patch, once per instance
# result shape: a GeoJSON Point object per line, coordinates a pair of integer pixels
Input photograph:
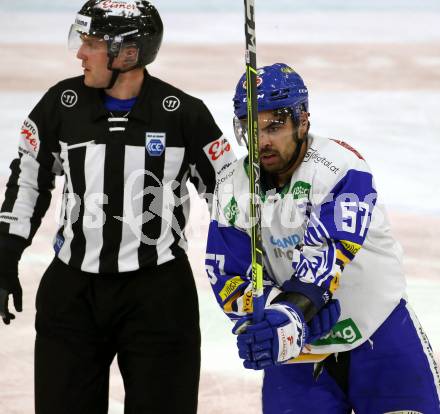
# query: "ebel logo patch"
{"type": "Point", "coordinates": [218, 148]}
{"type": "Point", "coordinates": [30, 141]}
{"type": "Point", "coordinates": [155, 143]}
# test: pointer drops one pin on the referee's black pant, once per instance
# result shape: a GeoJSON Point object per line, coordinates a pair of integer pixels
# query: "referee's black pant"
{"type": "Point", "coordinates": [148, 318]}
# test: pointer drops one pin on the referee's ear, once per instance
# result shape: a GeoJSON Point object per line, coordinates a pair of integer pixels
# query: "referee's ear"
{"type": "Point", "coordinates": [128, 58]}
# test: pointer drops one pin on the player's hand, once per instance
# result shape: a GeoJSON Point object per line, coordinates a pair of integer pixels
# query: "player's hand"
{"type": "Point", "coordinates": [279, 337]}
{"type": "Point", "coordinates": [324, 320]}
{"type": "Point", "coordinates": [10, 285]}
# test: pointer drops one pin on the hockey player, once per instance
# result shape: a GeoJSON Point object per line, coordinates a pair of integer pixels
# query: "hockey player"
{"type": "Point", "coordinates": [324, 235]}
{"type": "Point", "coordinates": [120, 283]}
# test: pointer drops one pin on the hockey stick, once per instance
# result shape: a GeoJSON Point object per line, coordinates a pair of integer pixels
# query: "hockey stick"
{"type": "Point", "coordinates": [254, 161]}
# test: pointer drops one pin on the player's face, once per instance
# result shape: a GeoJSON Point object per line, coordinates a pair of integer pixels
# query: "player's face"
{"type": "Point", "coordinates": [93, 54]}
{"type": "Point", "coordinates": [277, 144]}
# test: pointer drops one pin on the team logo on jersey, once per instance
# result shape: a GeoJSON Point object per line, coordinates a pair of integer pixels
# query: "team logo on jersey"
{"type": "Point", "coordinates": [69, 98]}
{"type": "Point", "coordinates": [171, 103]}
{"type": "Point", "coordinates": [155, 143]}
{"type": "Point", "coordinates": [30, 141]}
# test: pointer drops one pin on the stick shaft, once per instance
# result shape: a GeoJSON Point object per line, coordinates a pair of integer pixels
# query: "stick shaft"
{"type": "Point", "coordinates": [254, 161]}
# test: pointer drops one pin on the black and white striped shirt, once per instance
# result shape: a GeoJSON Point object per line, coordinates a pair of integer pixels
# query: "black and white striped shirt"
{"type": "Point", "coordinates": [125, 199]}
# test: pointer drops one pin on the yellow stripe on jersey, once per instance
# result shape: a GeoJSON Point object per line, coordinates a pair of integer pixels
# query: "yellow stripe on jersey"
{"type": "Point", "coordinates": [227, 307]}
{"type": "Point", "coordinates": [335, 283]}
{"type": "Point", "coordinates": [351, 247]}
{"type": "Point", "coordinates": [230, 287]}
{"type": "Point", "coordinates": [342, 257]}
{"type": "Point", "coordinates": [303, 358]}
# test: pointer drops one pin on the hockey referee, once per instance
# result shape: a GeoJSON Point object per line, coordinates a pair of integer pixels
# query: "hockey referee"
{"type": "Point", "coordinates": [120, 283]}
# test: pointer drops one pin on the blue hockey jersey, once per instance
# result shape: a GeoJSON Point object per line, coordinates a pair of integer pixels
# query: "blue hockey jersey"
{"type": "Point", "coordinates": [325, 232]}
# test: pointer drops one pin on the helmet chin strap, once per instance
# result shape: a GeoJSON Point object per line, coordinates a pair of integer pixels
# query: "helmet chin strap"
{"type": "Point", "coordinates": [115, 74]}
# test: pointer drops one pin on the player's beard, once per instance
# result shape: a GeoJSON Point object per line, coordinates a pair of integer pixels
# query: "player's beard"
{"type": "Point", "coordinates": [275, 162]}
{"type": "Point", "coordinates": [272, 161]}
{"type": "Point", "coordinates": [282, 162]}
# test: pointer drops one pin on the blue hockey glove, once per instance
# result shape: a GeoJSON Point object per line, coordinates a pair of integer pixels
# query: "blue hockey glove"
{"type": "Point", "coordinates": [324, 320]}
{"type": "Point", "coordinates": [279, 337]}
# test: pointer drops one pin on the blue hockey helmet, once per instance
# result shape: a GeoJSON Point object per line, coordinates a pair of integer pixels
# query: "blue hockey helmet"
{"type": "Point", "coordinates": [278, 86]}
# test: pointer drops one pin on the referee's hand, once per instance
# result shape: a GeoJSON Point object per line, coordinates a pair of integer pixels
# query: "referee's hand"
{"type": "Point", "coordinates": [10, 285]}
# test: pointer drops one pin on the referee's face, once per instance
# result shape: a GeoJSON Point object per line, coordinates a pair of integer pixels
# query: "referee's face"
{"type": "Point", "coordinates": [93, 54]}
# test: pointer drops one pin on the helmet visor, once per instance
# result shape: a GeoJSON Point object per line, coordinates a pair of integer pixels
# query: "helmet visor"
{"type": "Point", "coordinates": [80, 33]}
{"type": "Point", "coordinates": [241, 131]}
{"type": "Point", "coordinates": [74, 39]}
{"type": "Point", "coordinates": [272, 123]}
{"type": "Point", "coordinates": [93, 44]}
{"type": "Point", "coordinates": [82, 25]}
